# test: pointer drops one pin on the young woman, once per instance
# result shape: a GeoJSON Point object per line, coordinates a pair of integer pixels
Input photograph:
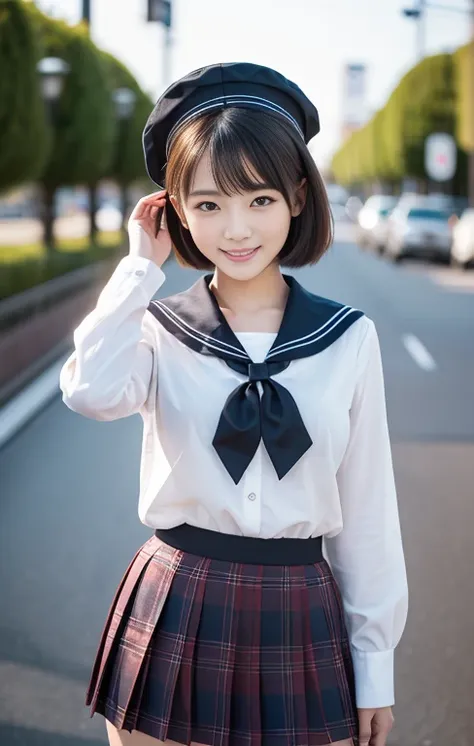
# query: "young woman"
{"type": "Point", "coordinates": [265, 442]}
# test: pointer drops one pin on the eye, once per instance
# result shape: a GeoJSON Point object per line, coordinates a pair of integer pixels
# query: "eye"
{"type": "Point", "coordinates": [259, 199]}
{"type": "Point", "coordinates": [202, 204]}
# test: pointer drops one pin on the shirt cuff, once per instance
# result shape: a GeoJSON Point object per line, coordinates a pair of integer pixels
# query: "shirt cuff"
{"type": "Point", "coordinates": [374, 678]}
{"type": "Point", "coordinates": [148, 274]}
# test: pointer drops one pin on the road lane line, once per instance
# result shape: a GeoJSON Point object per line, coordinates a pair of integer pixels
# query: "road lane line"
{"type": "Point", "coordinates": [419, 353]}
{"type": "Point", "coordinates": [26, 404]}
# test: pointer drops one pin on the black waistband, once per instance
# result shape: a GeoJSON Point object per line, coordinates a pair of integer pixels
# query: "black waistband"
{"type": "Point", "coordinates": [244, 549]}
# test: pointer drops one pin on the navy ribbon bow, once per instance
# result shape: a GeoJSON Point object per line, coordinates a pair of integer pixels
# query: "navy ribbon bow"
{"type": "Point", "coordinates": [245, 419]}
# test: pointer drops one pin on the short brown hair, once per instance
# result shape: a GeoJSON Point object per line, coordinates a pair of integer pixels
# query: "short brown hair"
{"type": "Point", "coordinates": [236, 139]}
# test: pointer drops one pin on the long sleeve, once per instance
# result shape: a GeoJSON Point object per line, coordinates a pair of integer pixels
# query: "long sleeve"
{"type": "Point", "coordinates": [367, 556]}
{"type": "Point", "coordinates": [108, 374]}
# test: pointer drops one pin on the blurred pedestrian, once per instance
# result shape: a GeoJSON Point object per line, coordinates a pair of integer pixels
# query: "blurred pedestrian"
{"type": "Point", "coordinates": [265, 441]}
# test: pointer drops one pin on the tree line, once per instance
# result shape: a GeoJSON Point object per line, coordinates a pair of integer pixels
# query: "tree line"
{"type": "Point", "coordinates": [437, 95]}
{"type": "Point", "coordinates": [77, 140]}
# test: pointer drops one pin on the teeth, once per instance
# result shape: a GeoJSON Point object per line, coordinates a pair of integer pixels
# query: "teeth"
{"type": "Point", "coordinates": [240, 253]}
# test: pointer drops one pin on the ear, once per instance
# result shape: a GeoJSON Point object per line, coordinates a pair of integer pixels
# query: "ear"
{"type": "Point", "coordinates": [179, 210]}
{"type": "Point", "coordinates": [299, 198]}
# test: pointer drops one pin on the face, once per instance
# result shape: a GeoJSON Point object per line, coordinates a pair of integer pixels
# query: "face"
{"type": "Point", "coordinates": [242, 234]}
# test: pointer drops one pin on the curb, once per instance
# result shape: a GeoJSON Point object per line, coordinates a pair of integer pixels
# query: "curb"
{"type": "Point", "coordinates": [25, 405]}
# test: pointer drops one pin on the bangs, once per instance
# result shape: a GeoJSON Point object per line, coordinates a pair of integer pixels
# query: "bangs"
{"type": "Point", "coordinates": [240, 155]}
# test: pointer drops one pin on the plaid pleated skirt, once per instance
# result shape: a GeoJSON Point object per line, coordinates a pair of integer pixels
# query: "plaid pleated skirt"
{"type": "Point", "coordinates": [225, 653]}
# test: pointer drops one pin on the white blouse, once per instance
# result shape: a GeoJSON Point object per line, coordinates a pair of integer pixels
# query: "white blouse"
{"type": "Point", "coordinates": [342, 487]}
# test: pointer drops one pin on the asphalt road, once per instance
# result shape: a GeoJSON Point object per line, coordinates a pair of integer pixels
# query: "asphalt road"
{"type": "Point", "coordinates": [69, 524]}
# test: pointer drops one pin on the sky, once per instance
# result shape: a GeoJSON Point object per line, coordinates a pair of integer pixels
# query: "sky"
{"type": "Point", "coordinates": [308, 41]}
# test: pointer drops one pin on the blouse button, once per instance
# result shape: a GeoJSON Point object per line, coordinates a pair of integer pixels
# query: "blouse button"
{"type": "Point", "coordinates": [252, 496]}
{"type": "Point", "coordinates": [139, 272]}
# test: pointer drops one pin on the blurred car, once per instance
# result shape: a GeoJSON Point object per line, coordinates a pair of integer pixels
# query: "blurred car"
{"type": "Point", "coordinates": [462, 248]}
{"type": "Point", "coordinates": [455, 205]}
{"type": "Point", "coordinates": [419, 230]}
{"type": "Point", "coordinates": [339, 212]}
{"type": "Point", "coordinates": [337, 194]}
{"type": "Point", "coordinates": [372, 221]}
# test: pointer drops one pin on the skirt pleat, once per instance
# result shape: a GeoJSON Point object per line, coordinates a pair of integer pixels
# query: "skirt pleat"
{"type": "Point", "coordinates": [225, 654]}
{"type": "Point", "coordinates": [180, 713]}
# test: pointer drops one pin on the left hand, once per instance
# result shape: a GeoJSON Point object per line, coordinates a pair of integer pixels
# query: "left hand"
{"type": "Point", "coordinates": [374, 726]}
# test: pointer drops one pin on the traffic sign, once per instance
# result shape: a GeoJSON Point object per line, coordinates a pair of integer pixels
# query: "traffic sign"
{"type": "Point", "coordinates": [440, 156]}
{"type": "Point", "coordinates": [159, 11]}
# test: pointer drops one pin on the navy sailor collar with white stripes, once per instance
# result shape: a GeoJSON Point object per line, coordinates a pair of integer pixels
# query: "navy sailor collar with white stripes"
{"type": "Point", "coordinates": [310, 324]}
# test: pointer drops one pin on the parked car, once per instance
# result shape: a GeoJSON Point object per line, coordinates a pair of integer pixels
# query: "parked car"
{"type": "Point", "coordinates": [372, 221]}
{"type": "Point", "coordinates": [419, 230]}
{"type": "Point", "coordinates": [455, 205]}
{"type": "Point", "coordinates": [462, 248]}
{"type": "Point", "coordinates": [338, 212]}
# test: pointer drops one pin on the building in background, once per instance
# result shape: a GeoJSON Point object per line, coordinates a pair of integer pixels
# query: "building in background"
{"type": "Point", "coordinates": [354, 98]}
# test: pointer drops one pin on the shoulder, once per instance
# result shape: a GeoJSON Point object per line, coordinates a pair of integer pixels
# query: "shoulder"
{"type": "Point", "coordinates": [352, 320]}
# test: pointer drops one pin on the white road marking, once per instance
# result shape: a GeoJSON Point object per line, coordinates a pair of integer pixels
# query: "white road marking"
{"type": "Point", "coordinates": [25, 405]}
{"type": "Point", "coordinates": [419, 353]}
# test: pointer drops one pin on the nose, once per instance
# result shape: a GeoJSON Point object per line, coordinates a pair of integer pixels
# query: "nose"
{"type": "Point", "coordinates": [237, 226]}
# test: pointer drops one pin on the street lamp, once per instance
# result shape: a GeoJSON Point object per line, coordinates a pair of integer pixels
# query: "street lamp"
{"type": "Point", "coordinates": [124, 100]}
{"type": "Point", "coordinates": [417, 14]}
{"type": "Point", "coordinates": [52, 71]}
{"type": "Point", "coordinates": [161, 11]}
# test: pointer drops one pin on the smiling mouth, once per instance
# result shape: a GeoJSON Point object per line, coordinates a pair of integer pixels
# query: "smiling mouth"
{"type": "Point", "coordinates": [238, 253]}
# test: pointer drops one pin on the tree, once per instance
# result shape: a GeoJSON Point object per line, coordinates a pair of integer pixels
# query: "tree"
{"type": "Point", "coordinates": [392, 145]}
{"type": "Point", "coordinates": [25, 136]}
{"type": "Point", "coordinates": [82, 121]}
{"type": "Point", "coordinates": [464, 76]}
{"type": "Point", "coordinates": [127, 163]}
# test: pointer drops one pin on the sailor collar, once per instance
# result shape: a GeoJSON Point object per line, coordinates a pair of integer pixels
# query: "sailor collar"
{"type": "Point", "coordinates": [310, 324]}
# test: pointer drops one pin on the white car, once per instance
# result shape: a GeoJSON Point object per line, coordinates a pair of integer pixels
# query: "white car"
{"type": "Point", "coordinates": [372, 221]}
{"type": "Point", "coordinates": [462, 249]}
{"type": "Point", "coordinates": [419, 231]}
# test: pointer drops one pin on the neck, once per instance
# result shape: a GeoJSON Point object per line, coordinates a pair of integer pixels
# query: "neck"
{"type": "Point", "coordinates": [267, 291]}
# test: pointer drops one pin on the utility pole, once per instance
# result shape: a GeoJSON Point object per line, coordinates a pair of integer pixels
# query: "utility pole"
{"type": "Point", "coordinates": [92, 188]}
{"type": "Point", "coordinates": [418, 14]}
{"type": "Point", "coordinates": [86, 11]}
{"type": "Point", "coordinates": [160, 11]}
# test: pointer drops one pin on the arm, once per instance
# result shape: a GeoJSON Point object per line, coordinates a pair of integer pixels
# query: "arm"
{"type": "Point", "coordinates": [367, 556]}
{"type": "Point", "coordinates": [109, 372]}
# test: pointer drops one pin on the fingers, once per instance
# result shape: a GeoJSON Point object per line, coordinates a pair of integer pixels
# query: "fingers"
{"type": "Point", "coordinates": [149, 206]}
{"type": "Point", "coordinates": [375, 726]}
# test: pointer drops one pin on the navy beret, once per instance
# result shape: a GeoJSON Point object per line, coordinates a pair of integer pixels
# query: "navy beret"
{"type": "Point", "coordinates": [241, 84]}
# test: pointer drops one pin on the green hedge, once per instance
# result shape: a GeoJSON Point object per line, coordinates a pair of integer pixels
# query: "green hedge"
{"type": "Point", "coordinates": [17, 276]}
{"type": "Point", "coordinates": [25, 139]}
{"type": "Point", "coordinates": [464, 72]}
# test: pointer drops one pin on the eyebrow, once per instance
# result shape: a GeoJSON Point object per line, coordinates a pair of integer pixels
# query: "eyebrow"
{"type": "Point", "coordinates": [204, 193]}
{"type": "Point", "coordinates": [215, 193]}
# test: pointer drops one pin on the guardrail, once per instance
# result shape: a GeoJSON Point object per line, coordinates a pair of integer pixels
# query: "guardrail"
{"type": "Point", "coordinates": [36, 325]}
{"type": "Point", "coordinates": [41, 297]}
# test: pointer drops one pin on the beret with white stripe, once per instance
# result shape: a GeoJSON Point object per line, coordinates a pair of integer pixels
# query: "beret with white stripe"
{"type": "Point", "coordinates": [241, 84]}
